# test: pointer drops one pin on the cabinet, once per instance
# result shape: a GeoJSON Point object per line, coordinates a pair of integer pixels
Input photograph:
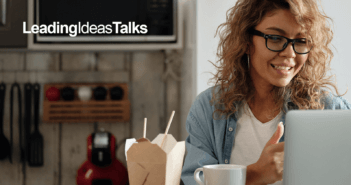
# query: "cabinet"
{"type": "Point", "coordinates": [12, 15]}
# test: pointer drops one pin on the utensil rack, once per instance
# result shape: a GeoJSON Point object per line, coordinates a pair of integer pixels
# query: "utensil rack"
{"type": "Point", "coordinates": [77, 111]}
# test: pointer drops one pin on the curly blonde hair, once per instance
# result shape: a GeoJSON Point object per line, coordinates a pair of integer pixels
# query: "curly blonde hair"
{"type": "Point", "coordinates": [232, 78]}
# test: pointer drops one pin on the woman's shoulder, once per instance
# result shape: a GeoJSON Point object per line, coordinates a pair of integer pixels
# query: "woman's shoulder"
{"type": "Point", "coordinates": [205, 95]}
{"type": "Point", "coordinates": [332, 101]}
{"type": "Point", "coordinates": [203, 100]}
{"type": "Point", "coordinates": [200, 114]}
{"type": "Point", "coordinates": [206, 104]}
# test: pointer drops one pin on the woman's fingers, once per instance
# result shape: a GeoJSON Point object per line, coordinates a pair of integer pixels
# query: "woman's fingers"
{"type": "Point", "coordinates": [271, 162]}
{"type": "Point", "coordinates": [279, 162]}
{"type": "Point", "coordinates": [277, 135]}
{"type": "Point", "coordinates": [277, 148]}
{"type": "Point", "coordinates": [278, 156]}
{"type": "Point", "coordinates": [280, 166]}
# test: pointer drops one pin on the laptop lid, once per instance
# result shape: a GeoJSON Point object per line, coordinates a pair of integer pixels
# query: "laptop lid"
{"type": "Point", "coordinates": [317, 147]}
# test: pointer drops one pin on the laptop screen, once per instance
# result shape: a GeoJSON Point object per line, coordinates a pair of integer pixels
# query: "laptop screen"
{"type": "Point", "coordinates": [317, 147]}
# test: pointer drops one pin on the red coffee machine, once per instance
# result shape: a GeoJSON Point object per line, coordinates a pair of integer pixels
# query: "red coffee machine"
{"type": "Point", "coordinates": [102, 167]}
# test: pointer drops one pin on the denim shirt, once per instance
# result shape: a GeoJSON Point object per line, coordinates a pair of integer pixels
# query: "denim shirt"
{"type": "Point", "coordinates": [210, 141]}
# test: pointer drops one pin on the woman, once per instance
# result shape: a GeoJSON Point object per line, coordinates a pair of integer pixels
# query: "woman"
{"type": "Point", "coordinates": [273, 57]}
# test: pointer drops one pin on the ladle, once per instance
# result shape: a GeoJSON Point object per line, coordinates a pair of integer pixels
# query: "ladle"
{"type": "Point", "coordinates": [5, 146]}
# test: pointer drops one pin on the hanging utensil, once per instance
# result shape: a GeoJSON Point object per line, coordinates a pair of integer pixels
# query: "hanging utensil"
{"type": "Point", "coordinates": [19, 96]}
{"type": "Point", "coordinates": [5, 145]}
{"type": "Point", "coordinates": [35, 152]}
{"type": "Point", "coordinates": [4, 142]}
{"type": "Point", "coordinates": [27, 115]}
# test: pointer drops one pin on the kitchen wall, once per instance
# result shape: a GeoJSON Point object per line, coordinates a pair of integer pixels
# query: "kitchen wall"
{"type": "Point", "coordinates": [152, 95]}
{"type": "Point", "coordinates": [206, 41]}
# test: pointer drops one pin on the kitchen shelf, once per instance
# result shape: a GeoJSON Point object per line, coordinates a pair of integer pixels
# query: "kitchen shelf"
{"type": "Point", "coordinates": [86, 111]}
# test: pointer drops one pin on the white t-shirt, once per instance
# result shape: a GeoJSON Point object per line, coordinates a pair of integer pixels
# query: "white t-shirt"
{"type": "Point", "coordinates": [251, 136]}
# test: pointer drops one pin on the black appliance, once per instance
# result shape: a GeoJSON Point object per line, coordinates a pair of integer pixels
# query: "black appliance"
{"type": "Point", "coordinates": [109, 21]}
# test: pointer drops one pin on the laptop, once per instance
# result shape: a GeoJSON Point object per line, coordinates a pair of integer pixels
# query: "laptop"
{"type": "Point", "coordinates": [317, 147]}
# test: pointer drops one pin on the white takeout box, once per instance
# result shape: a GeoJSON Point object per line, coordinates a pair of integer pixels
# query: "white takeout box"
{"type": "Point", "coordinates": [148, 164]}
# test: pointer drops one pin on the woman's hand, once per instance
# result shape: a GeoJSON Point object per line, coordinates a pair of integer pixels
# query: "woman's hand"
{"type": "Point", "coordinates": [269, 167]}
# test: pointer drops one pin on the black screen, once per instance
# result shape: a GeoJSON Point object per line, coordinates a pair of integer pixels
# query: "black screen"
{"type": "Point", "coordinates": [156, 14]}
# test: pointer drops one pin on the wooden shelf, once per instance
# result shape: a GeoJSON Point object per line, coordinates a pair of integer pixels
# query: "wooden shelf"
{"type": "Point", "coordinates": [86, 111]}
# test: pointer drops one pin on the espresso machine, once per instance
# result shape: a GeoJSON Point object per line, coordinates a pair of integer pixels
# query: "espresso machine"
{"type": "Point", "coordinates": [102, 167]}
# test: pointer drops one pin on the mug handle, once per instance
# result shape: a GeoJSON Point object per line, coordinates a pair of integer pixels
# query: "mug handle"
{"type": "Point", "coordinates": [197, 176]}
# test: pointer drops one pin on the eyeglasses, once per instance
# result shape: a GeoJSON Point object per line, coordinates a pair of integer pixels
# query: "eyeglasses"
{"type": "Point", "coordinates": [279, 43]}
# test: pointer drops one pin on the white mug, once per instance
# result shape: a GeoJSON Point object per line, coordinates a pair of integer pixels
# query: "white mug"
{"type": "Point", "coordinates": [221, 174]}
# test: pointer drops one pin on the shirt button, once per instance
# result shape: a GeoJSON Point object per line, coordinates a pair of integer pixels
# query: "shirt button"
{"type": "Point", "coordinates": [230, 129]}
{"type": "Point", "coordinates": [226, 161]}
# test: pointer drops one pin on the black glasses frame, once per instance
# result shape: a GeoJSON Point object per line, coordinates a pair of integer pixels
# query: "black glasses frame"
{"type": "Point", "coordinates": [258, 33]}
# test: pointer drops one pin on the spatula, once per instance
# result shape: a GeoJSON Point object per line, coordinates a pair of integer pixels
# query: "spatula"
{"type": "Point", "coordinates": [35, 149]}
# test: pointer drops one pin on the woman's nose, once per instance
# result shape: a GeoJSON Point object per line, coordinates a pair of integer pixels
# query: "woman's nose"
{"type": "Point", "coordinates": [288, 51]}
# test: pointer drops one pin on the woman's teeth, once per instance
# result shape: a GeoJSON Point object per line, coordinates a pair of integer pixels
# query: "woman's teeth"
{"type": "Point", "coordinates": [281, 67]}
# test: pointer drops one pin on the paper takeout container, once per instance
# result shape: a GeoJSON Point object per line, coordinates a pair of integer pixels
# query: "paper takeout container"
{"type": "Point", "coordinates": [148, 164]}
